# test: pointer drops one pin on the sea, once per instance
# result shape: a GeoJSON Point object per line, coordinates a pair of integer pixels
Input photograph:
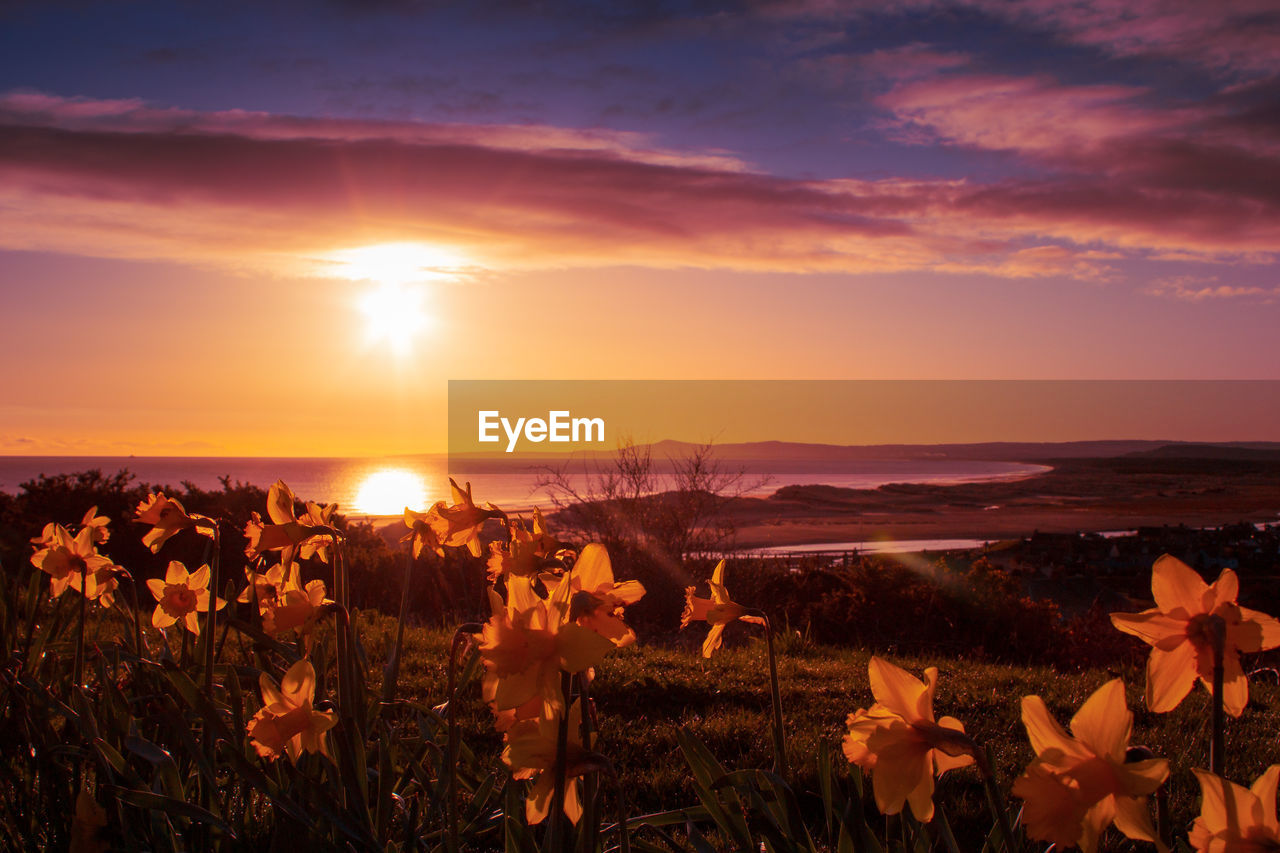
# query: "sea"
{"type": "Point", "coordinates": [383, 486]}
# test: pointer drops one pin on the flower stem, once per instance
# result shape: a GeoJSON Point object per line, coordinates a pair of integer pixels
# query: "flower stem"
{"type": "Point", "coordinates": [392, 673]}
{"type": "Point", "coordinates": [556, 832]}
{"type": "Point", "coordinates": [451, 747]}
{"type": "Point", "coordinates": [1217, 746]}
{"type": "Point", "coordinates": [779, 740]}
{"type": "Point", "coordinates": [624, 835]}
{"type": "Point", "coordinates": [79, 661]}
{"type": "Point", "coordinates": [995, 798]}
{"type": "Point", "coordinates": [211, 622]}
{"type": "Point", "coordinates": [588, 828]}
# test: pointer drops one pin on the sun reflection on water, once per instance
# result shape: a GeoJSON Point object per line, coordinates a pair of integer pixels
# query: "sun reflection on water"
{"type": "Point", "coordinates": [389, 490]}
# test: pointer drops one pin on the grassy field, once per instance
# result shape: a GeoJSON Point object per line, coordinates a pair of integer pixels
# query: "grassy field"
{"type": "Point", "coordinates": [644, 693]}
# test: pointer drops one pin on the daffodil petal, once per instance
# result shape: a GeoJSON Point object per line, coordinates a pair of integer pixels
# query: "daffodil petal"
{"type": "Point", "coordinates": [1104, 722]}
{"type": "Point", "coordinates": [1141, 778]}
{"type": "Point", "coordinates": [1226, 806]}
{"type": "Point", "coordinates": [299, 683]}
{"type": "Point", "coordinates": [1235, 686]}
{"type": "Point", "coordinates": [176, 573]}
{"type": "Point", "coordinates": [593, 568]}
{"type": "Point", "coordinates": [1264, 788]}
{"type": "Point", "coordinates": [1176, 585]}
{"type": "Point", "coordinates": [1133, 819]}
{"type": "Point", "coordinates": [896, 689]}
{"type": "Point", "coordinates": [1257, 631]}
{"type": "Point", "coordinates": [713, 640]}
{"type": "Point", "coordinates": [1151, 626]}
{"type": "Point", "coordinates": [1044, 732]}
{"type": "Point", "coordinates": [1224, 590]}
{"type": "Point", "coordinates": [1170, 676]}
{"type": "Point", "coordinates": [1096, 819]}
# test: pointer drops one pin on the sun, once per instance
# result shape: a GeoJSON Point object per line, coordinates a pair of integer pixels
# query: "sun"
{"type": "Point", "coordinates": [390, 491]}
{"type": "Point", "coordinates": [394, 314]}
{"type": "Point", "coordinates": [398, 276]}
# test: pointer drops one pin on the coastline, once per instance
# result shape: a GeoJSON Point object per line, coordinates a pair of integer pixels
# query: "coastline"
{"type": "Point", "coordinates": [1076, 496]}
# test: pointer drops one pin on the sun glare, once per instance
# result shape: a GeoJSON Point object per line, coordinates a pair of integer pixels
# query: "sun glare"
{"type": "Point", "coordinates": [397, 263]}
{"type": "Point", "coordinates": [394, 313]}
{"type": "Point", "coordinates": [398, 275]}
{"type": "Point", "coordinates": [389, 491]}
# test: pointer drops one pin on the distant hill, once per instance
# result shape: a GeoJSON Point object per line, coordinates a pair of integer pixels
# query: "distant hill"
{"type": "Point", "coordinates": [998, 451]}
{"type": "Point", "coordinates": [1239, 451]}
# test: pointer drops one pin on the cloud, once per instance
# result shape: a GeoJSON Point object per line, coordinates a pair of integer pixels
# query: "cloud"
{"type": "Point", "coordinates": [1235, 38]}
{"type": "Point", "coordinates": [1239, 37]}
{"type": "Point", "coordinates": [1199, 289]}
{"type": "Point", "coordinates": [262, 191]}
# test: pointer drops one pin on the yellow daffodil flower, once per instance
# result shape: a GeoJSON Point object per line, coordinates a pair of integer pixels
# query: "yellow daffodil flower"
{"type": "Point", "coordinates": [267, 586]}
{"type": "Point", "coordinates": [459, 525]}
{"type": "Point", "coordinates": [899, 741]}
{"type": "Point", "coordinates": [1079, 784]}
{"type": "Point", "coordinates": [531, 753]}
{"type": "Point", "coordinates": [181, 595]}
{"type": "Point", "coordinates": [296, 609]}
{"type": "Point", "coordinates": [526, 552]}
{"type": "Point", "coordinates": [72, 562]}
{"type": "Point", "coordinates": [98, 524]}
{"type": "Point", "coordinates": [421, 533]}
{"type": "Point", "coordinates": [316, 516]}
{"type": "Point", "coordinates": [1234, 819]}
{"type": "Point", "coordinates": [718, 611]}
{"type": "Point", "coordinates": [528, 642]}
{"type": "Point", "coordinates": [287, 532]}
{"type": "Point", "coordinates": [595, 599]}
{"type": "Point", "coordinates": [288, 722]}
{"type": "Point", "coordinates": [1178, 630]}
{"type": "Point", "coordinates": [166, 517]}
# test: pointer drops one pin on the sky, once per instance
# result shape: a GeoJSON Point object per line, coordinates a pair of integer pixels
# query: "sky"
{"type": "Point", "coordinates": [281, 229]}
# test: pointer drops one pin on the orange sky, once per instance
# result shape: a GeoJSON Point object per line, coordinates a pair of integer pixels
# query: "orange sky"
{"type": "Point", "coordinates": [768, 191]}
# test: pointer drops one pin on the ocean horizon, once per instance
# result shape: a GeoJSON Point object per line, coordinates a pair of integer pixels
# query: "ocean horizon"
{"type": "Point", "coordinates": [382, 486]}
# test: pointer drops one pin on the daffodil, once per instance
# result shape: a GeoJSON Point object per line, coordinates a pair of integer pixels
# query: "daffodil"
{"type": "Point", "coordinates": [288, 722]}
{"type": "Point", "coordinates": [98, 524]}
{"type": "Point", "coordinates": [421, 534]}
{"type": "Point", "coordinates": [317, 516]}
{"type": "Point", "coordinates": [528, 642]}
{"type": "Point", "coordinates": [74, 562]}
{"type": "Point", "coordinates": [1080, 783]}
{"type": "Point", "coordinates": [898, 740]}
{"type": "Point", "coordinates": [181, 595]}
{"type": "Point", "coordinates": [595, 599]}
{"type": "Point", "coordinates": [1179, 630]}
{"type": "Point", "coordinates": [718, 611]}
{"type": "Point", "coordinates": [296, 608]}
{"type": "Point", "coordinates": [459, 525]}
{"type": "Point", "coordinates": [1234, 819]}
{"type": "Point", "coordinates": [531, 754]}
{"type": "Point", "coordinates": [286, 532]}
{"type": "Point", "coordinates": [166, 517]}
{"type": "Point", "coordinates": [265, 586]}
{"type": "Point", "coordinates": [527, 551]}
